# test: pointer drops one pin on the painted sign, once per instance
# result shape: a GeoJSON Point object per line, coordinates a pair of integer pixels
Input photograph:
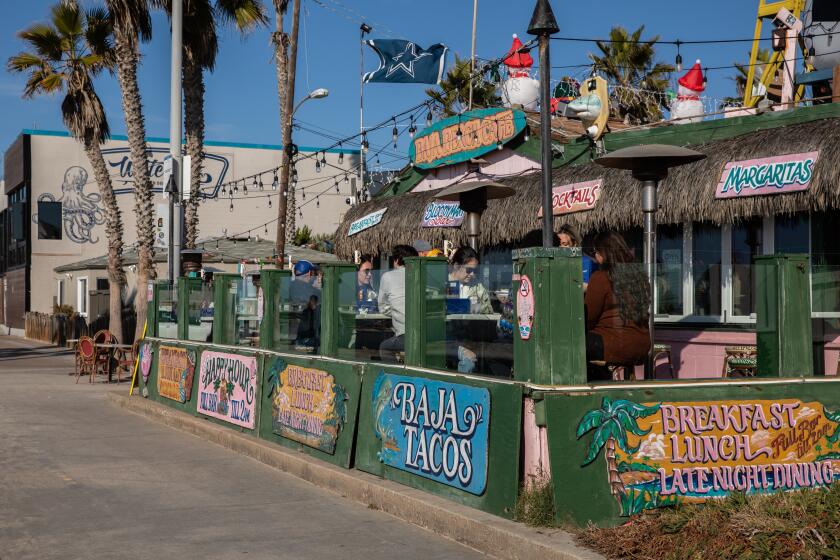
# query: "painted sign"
{"type": "Point", "coordinates": [481, 131]}
{"type": "Point", "coordinates": [525, 307]}
{"type": "Point", "coordinates": [442, 214]}
{"type": "Point", "coordinates": [307, 405]}
{"type": "Point", "coordinates": [145, 361]}
{"type": "Point", "coordinates": [175, 373]}
{"type": "Point", "coordinates": [366, 222]}
{"type": "Point", "coordinates": [433, 429]}
{"type": "Point", "coordinates": [664, 453]}
{"type": "Point", "coordinates": [577, 197]}
{"type": "Point", "coordinates": [227, 387]}
{"type": "Point", "coordinates": [773, 175]}
{"type": "Point", "coordinates": [80, 211]}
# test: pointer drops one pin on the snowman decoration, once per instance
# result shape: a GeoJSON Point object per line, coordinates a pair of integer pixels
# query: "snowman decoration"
{"type": "Point", "coordinates": [688, 108]}
{"type": "Point", "coordinates": [519, 89]}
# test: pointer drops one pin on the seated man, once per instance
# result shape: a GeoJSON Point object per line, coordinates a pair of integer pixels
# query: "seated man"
{"type": "Point", "coordinates": [392, 302]}
{"type": "Point", "coordinates": [303, 292]}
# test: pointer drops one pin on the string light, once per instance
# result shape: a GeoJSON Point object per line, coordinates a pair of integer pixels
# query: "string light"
{"type": "Point", "coordinates": [266, 225]}
{"type": "Point", "coordinates": [318, 201]}
{"type": "Point", "coordinates": [365, 144]}
{"type": "Point", "coordinates": [412, 129]}
{"type": "Point", "coordinates": [317, 166]}
{"type": "Point", "coordinates": [261, 183]}
{"type": "Point", "coordinates": [269, 202]}
{"type": "Point", "coordinates": [275, 181]}
{"type": "Point", "coordinates": [340, 153]}
{"type": "Point", "coordinates": [679, 60]}
{"type": "Point", "coordinates": [705, 77]}
{"type": "Point", "coordinates": [429, 118]}
{"type": "Point", "coordinates": [336, 186]}
{"type": "Point", "coordinates": [395, 133]}
{"type": "Point", "coordinates": [236, 187]}
{"type": "Point", "coordinates": [231, 205]}
{"type": "Point", "coordinates": [224, 189]}
{"type": "Point", "coordinates": [346, 178]}
{"type": "Point", "coordinates": [255, 182]}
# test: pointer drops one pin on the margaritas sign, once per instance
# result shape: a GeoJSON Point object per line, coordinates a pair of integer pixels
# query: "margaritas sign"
{"type": "Point", "coordinates": [366, 222]}
{"type": "Point", "coordinates": [442, 214]}
{"type": "Point", "coordinates": [577, 197]}
{"type": "Point", "coordinates": [481, 131]}
{"type": "Point", "coordinates": [773, 175]}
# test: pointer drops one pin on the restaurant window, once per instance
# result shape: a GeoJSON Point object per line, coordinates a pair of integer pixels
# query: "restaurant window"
{"type": "Point", "coordinates": [706, 267]}
{"type": "Point", "coordinates": [49, 220]}
{"type": "Point", "coordinates": [669, 270]}
{"type": "Point", "coordinates": [747, 243]}
{"type": "Point", "coordinates": [790, 233]}
{"type": "Point", "coordinates": [825, 263]}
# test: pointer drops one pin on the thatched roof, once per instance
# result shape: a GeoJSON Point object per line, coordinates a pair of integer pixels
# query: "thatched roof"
{"type": "Point", "coordinates": [688, 194]}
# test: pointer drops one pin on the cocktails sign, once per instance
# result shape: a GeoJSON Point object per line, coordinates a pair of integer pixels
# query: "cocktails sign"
{"type": "Point", "coordinates": [307, 405]}
{"type": "Point", "coordinates": [175, 373]}
{"type": "Point", "coordinates": [442, 214]}
{"type": "Point", "coordinates": [433, 429]}
{"type": "Point", "coordinates": [366, 222]}
{"type": "Point", "coordinates": [664, 453]}
{"type": "Point", "coordinates": [773, 175]}
{"type": "Point", "coordinates": [577, 197]}
{"type": "Point", "coordinates": [481, 131]}
{"type": "Point", "coordinates": [227, 387]}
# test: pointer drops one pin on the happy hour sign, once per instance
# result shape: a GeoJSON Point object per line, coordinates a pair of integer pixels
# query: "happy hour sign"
{"type": "Point", "coordinates": [227, 387]}
{"type": "Point", "coordinates": [773, 175]}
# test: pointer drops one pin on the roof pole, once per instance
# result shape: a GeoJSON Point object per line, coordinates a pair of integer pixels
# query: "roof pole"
{"type": "Point", "coordinates": [176, 215]}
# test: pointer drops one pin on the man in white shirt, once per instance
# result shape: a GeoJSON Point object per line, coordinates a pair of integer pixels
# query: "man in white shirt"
{"type": "Point", "coordinates": [392, 302]}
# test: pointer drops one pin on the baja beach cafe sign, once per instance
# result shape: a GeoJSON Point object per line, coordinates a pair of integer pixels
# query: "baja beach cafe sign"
{"type": "Point", "coordinates": [577, 197]}
{"type": "Point", "coordinates": [481, 132]}
{"type": "Point", "coordinates": [433, 429]}
{"type": "Point", "coordinates": [442, 214]}
{"type": "Point", "coordinates": [366, 222]}
{"type": "Point", "coordinates": [772, 175]}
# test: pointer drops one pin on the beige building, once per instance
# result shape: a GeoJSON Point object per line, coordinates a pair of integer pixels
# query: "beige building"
{"type": "Point", "coordinates": [55, 216]}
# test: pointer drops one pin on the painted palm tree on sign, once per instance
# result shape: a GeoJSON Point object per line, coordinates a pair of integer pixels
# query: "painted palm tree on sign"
{"type": "Point", "coordinates": [131, 23]}
{"type": "Point", "coordinates": [611, 423]}
{"type": "Point", "coordinates": [65, 55]}
{"type": "Point", "coordinates": [201, 46]}
{"type": "Point", "coordinates": [627, 61]}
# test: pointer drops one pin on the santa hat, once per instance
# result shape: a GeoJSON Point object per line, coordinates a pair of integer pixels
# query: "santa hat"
{"type": "Point", "coordinates": [693, 79]}
{"type": "Point", "coordinates": [515, 59]}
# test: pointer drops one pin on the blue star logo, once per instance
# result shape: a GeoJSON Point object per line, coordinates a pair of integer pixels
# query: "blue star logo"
{"type": "Point", "coordinates": [405, 60]}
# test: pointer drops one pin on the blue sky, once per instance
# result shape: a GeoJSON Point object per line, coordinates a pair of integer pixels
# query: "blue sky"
{"type": "Point", "coordinates": [241, 98]}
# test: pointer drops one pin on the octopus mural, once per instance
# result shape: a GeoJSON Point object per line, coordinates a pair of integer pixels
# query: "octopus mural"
{"type": "Point", "coordinates": [80, 211]}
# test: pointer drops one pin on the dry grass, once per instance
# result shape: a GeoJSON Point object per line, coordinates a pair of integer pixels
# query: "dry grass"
{"type": "Point", "coordinates": [803, 525]}
{"type": "Point", "coordinates": [535, 504]}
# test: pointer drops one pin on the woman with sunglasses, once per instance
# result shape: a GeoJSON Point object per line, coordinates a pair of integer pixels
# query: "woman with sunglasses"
{"type": "Point", "coordinates": [464, 284]}
{"type": "Point", "coordinates": [365, 294]}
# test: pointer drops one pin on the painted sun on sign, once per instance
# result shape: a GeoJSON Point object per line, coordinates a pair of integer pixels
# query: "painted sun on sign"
{"type": "Point", "coordinates": [665, 453]}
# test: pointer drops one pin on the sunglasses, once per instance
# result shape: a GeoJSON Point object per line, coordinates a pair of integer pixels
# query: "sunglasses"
{"type": "Point", "coordinates": [367, 271]}
{"type": "Point", "coordinates": [470, 269]}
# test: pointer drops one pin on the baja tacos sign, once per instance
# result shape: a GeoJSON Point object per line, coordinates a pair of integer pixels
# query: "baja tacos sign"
{"type": "Point", "coordinates": [773, 175]}
{"type": "Point", "coordinates": [481, 131]}
{"type": "Point", "coordinates": [664, 453]}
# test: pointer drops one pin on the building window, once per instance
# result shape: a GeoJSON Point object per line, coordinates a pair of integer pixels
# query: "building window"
{"type": "Point", "coordinates": [706, 269]}
{"type": "Point", "coordinates": [747, 243]}
{"type": "Point", "coordinates": [81, 296]}
{"type": "Point", "coordinates": [669, 270]}
{"type": "Point", "coordinates": [825, 263]}
{"type": "Point", "coordinates": [102, 284]}
{"type": "Point", "coordinates": [790, 234]}
{"type": "Point", "coordinates": [59, 296]}
{"type": "Point", "coordinates": [49, 220]}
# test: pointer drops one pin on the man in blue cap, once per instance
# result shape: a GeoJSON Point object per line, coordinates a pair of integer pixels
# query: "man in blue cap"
{"type": "Point", "coordinates": [303, 292]}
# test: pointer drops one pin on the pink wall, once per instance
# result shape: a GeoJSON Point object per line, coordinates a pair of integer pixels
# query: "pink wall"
{"type": "Point", "coordinates": [535, 444]}
{"type": "Point", "coordinates": [499, 162]}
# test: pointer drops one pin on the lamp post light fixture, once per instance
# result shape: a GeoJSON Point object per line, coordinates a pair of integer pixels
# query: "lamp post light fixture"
{"type": "Point", "coordinates": [649, 164]}
{"type": "Point", "coordinates": [472, 199]}
{"type": "Point", "coordinates": [544, 25]}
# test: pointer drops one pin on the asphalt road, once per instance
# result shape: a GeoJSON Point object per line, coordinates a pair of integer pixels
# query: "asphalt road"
{"type": "Point", "coordinates": [81, 478]}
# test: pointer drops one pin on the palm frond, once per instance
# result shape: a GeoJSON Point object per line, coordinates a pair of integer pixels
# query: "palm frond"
{"type": "Point", "coordinates": [45, 40]}
{"type": "Point", "coordinates": [245, 14]}
{"type": "Point", "coordinates": [67, 19]}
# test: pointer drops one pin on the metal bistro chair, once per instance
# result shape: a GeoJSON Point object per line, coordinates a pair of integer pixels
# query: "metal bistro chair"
{"type": "Point", "coordinates": [103, 355]}
{"type": "Point", "coordinates": [740, 361]}
{"type": "Point", "coordinates": [85, 358]}
{"type": "Point", "coordinates": [126, 360]}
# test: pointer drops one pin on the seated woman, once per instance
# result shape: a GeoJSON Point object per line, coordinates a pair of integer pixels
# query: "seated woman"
{"type": "Point", "coordinates": [365, 294]}
{"type": "Point", "coordinates": [569, 237]}
{"type": "Point", "coordinates": [464, 284]}
{"type": "Point", "coordinates": [617, 306]}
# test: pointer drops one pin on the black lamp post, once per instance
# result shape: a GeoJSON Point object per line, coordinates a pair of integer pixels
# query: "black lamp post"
{"type": "Point", "coordinates": [543, 25]}
{"type": "Point", "coordinates": [649, 164]}
{"type": "Point", "coordinates": [472, 198]}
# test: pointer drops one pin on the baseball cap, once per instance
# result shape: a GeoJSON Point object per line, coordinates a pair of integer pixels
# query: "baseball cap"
{"type": "Point", "coordinates": [303, 267]}
{"type": "Point", "coordinates": [421, 245]}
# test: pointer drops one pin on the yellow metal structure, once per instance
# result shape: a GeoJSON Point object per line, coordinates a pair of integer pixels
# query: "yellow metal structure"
{"type": "Point", "coordinates": [768, 10]}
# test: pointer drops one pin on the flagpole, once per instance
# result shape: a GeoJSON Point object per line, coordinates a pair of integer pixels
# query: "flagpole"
{"type": "Point", "coordinates": [363, 29]}
{"type": "Point", "coordinates": [472, 54]}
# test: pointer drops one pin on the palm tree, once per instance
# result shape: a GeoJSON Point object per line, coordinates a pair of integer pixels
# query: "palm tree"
{"type": "Point", "coordinates": [66, 54]}
{"type": "Point", "coordinates": [201, 46]}
{"type": "Point", "coordinates": [611, 423]}
{"type": "Point", "coordinates": [453, 91]}
{"type": "Point", "coordinates": [627, 61]}
{"type": "Point", "coordinates": [740, 78]}
{"type": "Point", "coordinates": [131, 23]}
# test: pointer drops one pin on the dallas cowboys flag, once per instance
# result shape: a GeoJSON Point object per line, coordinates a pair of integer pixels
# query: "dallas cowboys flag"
{"type": "Point", "coordinates": [403, 62]}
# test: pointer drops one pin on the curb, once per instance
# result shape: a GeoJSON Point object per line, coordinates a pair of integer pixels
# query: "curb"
{"type": "Point", "coordinates": [481, 531]}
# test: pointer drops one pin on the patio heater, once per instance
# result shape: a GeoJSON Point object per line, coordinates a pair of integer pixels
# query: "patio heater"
{"type": "Point", "coordinates": [472, 198]}
{"type": "Point", "coordinates": [649, 164]}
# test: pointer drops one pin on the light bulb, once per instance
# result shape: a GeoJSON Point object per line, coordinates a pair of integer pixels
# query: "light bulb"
{"type": "Point", "coordinates": [323, 157]}
{"type": "Point", "coordinates": [231, 206]}
{"type": "Point", "coordinates": [317, 166]}
{"type": "Point", "coordinates": [274, 182]}
{"type": "Point", "coordinates": [269, 204]}
{"type": "Point", "coordinates": [498, 144]}
{"type": "Point", "coordinates": [679, 62]}
{"type": "Point", "coordinates": [429, 119]}
{"type": "Point", "coordinates": [346, 178]}
{"type": "Point", "coordinates": [340, 153]}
